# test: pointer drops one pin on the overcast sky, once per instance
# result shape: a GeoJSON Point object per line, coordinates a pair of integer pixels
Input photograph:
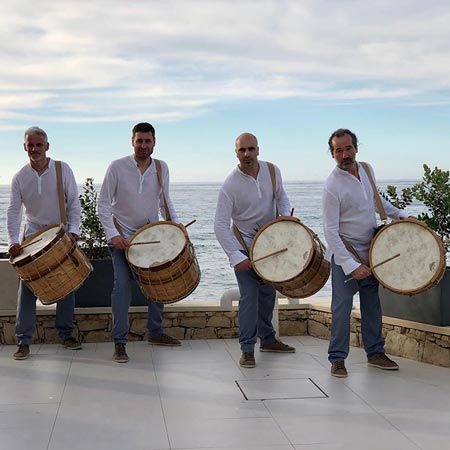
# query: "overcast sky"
{"type": "Point", "coordinates": [202, 72]}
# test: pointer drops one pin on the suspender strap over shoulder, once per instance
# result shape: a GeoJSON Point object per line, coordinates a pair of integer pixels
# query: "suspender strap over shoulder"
{"type": "Point", "coordinates": [158, 174]}
{"type": "Point", "coordinates": [376, 195]}
{"type": "Point", "coordinates": [60, 189]}
{"type": "Point", "coordinates": [273, 178]}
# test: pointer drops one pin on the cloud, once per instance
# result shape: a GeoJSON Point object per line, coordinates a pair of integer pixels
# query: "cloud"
{"type": "Point", "coordinates": [80, 61]}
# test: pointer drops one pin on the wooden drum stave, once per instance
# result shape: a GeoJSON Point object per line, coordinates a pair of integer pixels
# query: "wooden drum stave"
{"type": "Point", "coordinates": [299, 272]}
{"type": "Point", "coordinates": [52, 265]}
{"type": "Point", "coordinates": [420, 263]}
{"type": "Point", "coordinates": [166, 271]}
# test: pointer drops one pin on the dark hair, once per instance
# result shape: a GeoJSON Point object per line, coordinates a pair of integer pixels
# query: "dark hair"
{"type": "Point", "coordinates": [339, 133]}
{"type": "Point", "coordinates": [144, 127]}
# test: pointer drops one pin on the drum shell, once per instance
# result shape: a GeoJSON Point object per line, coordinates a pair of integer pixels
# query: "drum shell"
{"type": "Point", "coordinates": [312, 278]}
{"type": "Point", "coordinates": [55, 271]}
{"type": "Point", "coordinates": [439, 272]}
{"type": "Point", "coordinates": [172, 281]}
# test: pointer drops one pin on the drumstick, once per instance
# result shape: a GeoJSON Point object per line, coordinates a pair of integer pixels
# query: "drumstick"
{"type": "Point", "coordinates": [292, 212]}
{"type": "Point", "coordinates": [270, 254]}
{"type": "Point", "coordinates": [190, 223]}
{"type": "Point", "coordinates": [377, 265]}
{"type": "Point", "coordinates": [144, 243]}
{"type": "Point", "coordinates": [25, 245]}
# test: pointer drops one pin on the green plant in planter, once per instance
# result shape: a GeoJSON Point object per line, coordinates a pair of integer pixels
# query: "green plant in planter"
{"type": "Point", "coordinates": [92, 236]}
{"type": "Point", "coordinates": [434, 192]}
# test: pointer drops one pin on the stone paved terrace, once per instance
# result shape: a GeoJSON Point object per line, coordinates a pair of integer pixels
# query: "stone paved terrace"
{"type": "Point", "coordinates": [193, 398]}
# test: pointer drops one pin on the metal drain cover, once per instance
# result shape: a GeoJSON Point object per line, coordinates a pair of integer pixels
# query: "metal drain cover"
{"type": "Point", "coordinates": [280, 389]}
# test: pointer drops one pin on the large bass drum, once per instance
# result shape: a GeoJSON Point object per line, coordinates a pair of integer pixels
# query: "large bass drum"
{"type": "Point", "coordinates": [166, 271]}
{"type": "Point", "coordinates": [298, 272]}
{"type": "Point", "coordinates": [421, 261]}
{"type": "Point", "coordinates": [51, 264]}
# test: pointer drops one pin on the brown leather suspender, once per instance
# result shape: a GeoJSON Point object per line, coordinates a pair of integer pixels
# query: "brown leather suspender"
{"type": "Point", "coordinates": [61, 199]}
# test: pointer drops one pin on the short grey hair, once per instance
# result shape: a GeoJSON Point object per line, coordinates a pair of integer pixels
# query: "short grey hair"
{"type": "Point", "coordinates": [33, 131]}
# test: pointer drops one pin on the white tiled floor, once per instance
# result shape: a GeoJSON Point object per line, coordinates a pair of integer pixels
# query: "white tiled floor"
{"type": "Point", "coordinates": [188, 398]}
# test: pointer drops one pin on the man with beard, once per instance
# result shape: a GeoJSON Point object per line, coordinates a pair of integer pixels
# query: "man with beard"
{"type": "Point", "coordinates": [247, 199]}
{"type": "Point", "coordinates": [349, 224]}
{"type": "Point", "coordinates": [35, 188]}
{"type": "Point", "coordinates": [130, 197]}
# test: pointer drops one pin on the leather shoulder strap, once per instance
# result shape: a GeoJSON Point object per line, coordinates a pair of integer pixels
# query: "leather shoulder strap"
{"type": "Point", "coordinates": [239, 237]}
{"type": "Point", "coordinates": [159, 175]}
{"type": "Point", "coordinates": [273, 178]}
{"type": "Point", "coordinates": [376, 195]}
{"type": "Point", "coordinates": [60, 188]}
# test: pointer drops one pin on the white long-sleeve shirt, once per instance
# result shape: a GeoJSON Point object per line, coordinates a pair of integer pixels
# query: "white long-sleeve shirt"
{"type": "Point", "coordinates": [131, 197]}
{"type": "Point", "coordinates": [249, 203]}
{"type": "Point", "coordinates": [39, 196]}
{"type": "Point", "coordinates": [349, 210]}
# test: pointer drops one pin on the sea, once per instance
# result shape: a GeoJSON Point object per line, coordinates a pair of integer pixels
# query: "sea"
{"type": "Point", "coordinates": [198, 201]}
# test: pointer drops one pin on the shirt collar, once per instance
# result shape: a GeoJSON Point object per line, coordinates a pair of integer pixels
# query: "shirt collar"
{"type": "Point", "coordinates": [150, 169]}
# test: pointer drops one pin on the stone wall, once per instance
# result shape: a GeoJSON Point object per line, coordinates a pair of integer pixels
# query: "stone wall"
{"type": "Point", "coordinates": [406, 341]}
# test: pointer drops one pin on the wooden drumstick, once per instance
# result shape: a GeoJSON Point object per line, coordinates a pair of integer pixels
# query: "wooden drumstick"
{"type": "Point", "coordinates": [144, 243]}
{"type": "Point", "coordinates": [25, 245]}
{"type": "Point", "coordinates": [376, 265]}
{"type": "Point", "coordinates": [190, 223]}
{"type": "Point", "coordinates": [270, 254]}
{"type": "Point", "coordinates": [292, 212]}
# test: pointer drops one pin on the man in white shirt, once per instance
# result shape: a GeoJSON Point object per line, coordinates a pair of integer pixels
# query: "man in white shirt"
{"type": "Point", "coordinates": [130, 198]}
{"type": "Point", "coordinates": [247, 199]}
{"type": "Point", "coordinates": [34, 187]}
{"type": "Point", "coordinates": [349, 224]}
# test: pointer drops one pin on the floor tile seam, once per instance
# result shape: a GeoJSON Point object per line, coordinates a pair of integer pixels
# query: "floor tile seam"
{"type": "Point", "coordinates": [60, 403]}
{"type": "Point", "coordinates": [277, 424]}
{"type": "Point", "coordinates": [380, 414]}
{"type": "Point", "coordinates": [160, 401]}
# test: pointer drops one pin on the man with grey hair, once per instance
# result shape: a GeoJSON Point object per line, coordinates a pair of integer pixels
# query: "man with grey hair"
{"type": "Point", "coordinates": [35, 188]}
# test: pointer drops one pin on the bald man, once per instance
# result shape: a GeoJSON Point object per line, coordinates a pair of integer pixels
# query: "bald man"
{"type": "Point", "coordinates": [246, 203]}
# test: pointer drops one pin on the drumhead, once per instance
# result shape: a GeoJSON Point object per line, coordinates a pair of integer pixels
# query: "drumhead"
{"type": "Point", "coordinates": [278, 235]}
{"type": "Point", "coordinates": [172, 241]}
{"type": "Point", "coordinates": [420, 261]}
{"type": "Point", "coordinates": [42, 240]}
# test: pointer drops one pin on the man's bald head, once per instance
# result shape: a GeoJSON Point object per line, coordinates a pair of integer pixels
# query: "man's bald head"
{"type": "Point", "coordinates": [246, 136]}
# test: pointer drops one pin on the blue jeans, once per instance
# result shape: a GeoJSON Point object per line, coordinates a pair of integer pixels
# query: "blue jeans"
{"type": "Point", "coordinates": [26, 315]}
{"type": "Point", "coordinates": [256, 303]}
{"type": "Point", "coordinates": [341, 307]}
{"type": "Point", "coordinates": [121, 299]}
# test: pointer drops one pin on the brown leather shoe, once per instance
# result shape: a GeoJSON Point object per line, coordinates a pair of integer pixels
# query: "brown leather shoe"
{"type": "Point", "coordinates": [277, 347]}
{"type": "Point", "coordinates": [381, 361]}
{"type": "Point", "coordinates": [164, 339]}
{"type": "Point", "coordinates": [338, 369]}
{"type": "Point", "coordinates": [71, 343]}
{"type": "Point", "coordinates": [247, 360]}
{"type": "Point", "coordinates": [23, 352]}
{"type": "Point", "coordinates": [120, 354]}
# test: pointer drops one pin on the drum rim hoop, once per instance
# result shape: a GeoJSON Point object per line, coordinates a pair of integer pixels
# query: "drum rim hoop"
{"type": "Point", "coordinates": [60, 233]}
{"type": "Point", "coordinates": [267, 225]}
{"type": "Point", "coordinates": [437, 276]}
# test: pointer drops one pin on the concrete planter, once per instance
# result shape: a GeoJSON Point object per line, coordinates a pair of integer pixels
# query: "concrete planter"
{"type": "Point", "coordinates": [432, 307]}
{"type": "Point", "coordinates": [8, 286]}
{"type": "Point", "coordinates": [96, 290]}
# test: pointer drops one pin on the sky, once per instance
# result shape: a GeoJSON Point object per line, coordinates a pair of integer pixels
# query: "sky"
{"type": "Point", "coordinates": [202, 72]}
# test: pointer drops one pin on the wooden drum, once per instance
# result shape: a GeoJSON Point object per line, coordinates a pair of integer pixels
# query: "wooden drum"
{"type": "Point", "coordinates": [298, 272]}
{"type": "Point", "coordinates": [51, 264]}
{"type": "Point", "coordinates": [167, 271]}
{"type": "Point", "coordinates": [418, 257]}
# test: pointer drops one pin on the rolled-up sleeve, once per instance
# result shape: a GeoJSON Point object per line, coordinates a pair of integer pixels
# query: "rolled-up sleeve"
{"type": "Point", "coordinates": [222, 223]}
{"type": "Point", "coordinates": [331, 214]}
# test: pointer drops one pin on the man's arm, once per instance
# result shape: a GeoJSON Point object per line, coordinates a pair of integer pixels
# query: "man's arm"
{"type": "Point", "coordinates": [331, 212]}
{"type": "Point", "coordinates": [165, 181]}
{"type": "Point", "coordinates": [222, 222]}
{"type": "Point", "coordinates": [283, 203]}
{"type": "Point", "coordinates": [72, 202]}
{"type": "Point", "coordinates": [105, 200]}
{"type": "Point", "coordinates": [14, 213]}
